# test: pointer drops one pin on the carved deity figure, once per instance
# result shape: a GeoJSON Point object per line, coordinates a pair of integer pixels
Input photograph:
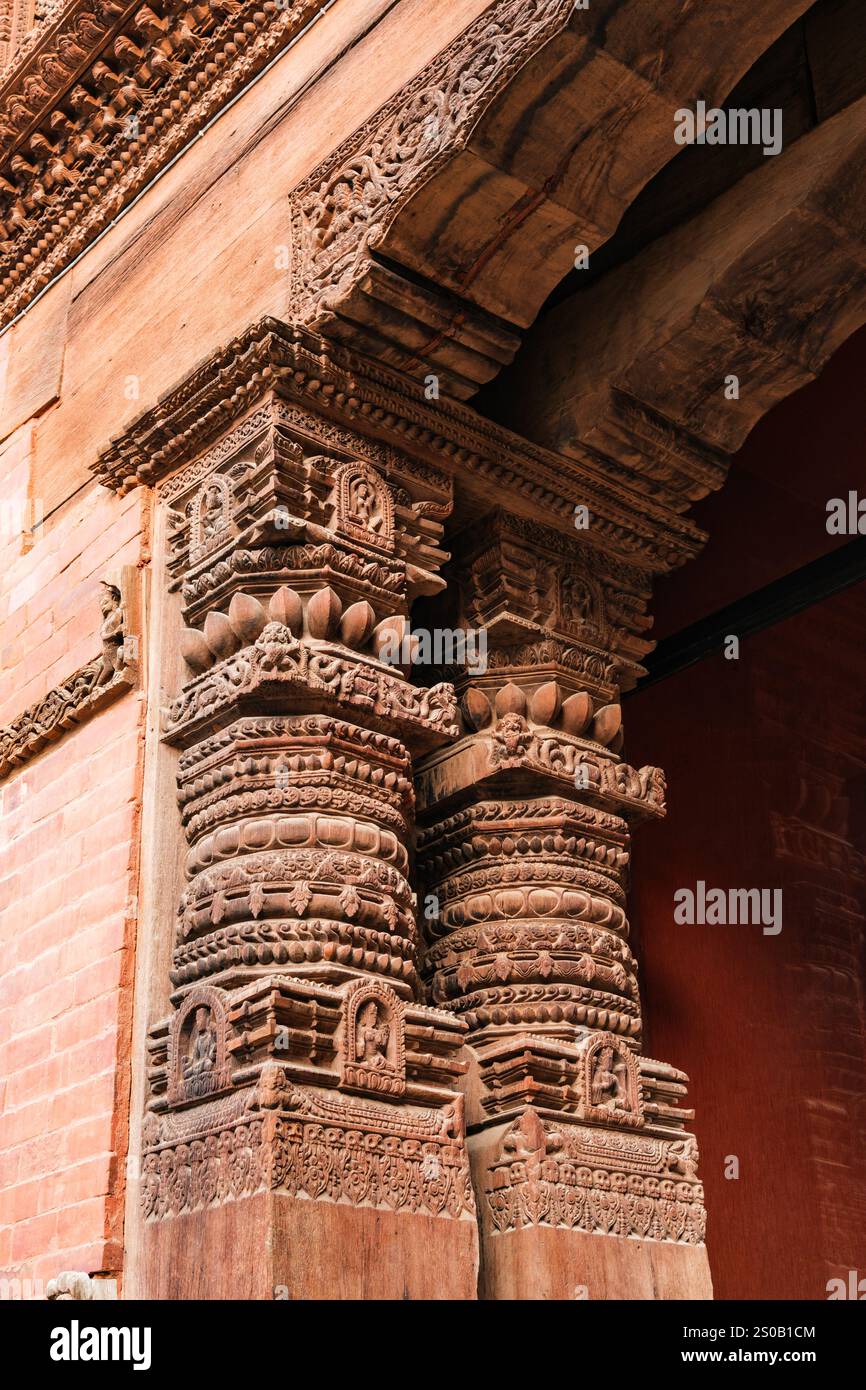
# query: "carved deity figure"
{"type": "Point", "coordinates": [201, 1057]}
{"type": "Point", "coordinates": [576, 602]}
{"type": "Point", "coordinates": [364, 509]}
{"type": "Point", "coordinates": [111, 633]}
{"type": "Point", "coordinates": [372, 1037]}
{"type": "Point", "coordinates": [511, 735]}
{"type": "Point", "coordinates": [211, 514]}
{"type": "Point", "coordinates": [607, 1089]}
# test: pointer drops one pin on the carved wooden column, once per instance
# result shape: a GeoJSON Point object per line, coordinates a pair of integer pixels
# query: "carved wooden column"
{"type": "Point", "coordinates": [523, 858]}
{"type": "Point", "coordinates": [303, 1109]}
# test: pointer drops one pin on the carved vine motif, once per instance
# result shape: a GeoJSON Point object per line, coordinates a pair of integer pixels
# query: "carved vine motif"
{"type": "Point", "coordinates": [279, 658]}
{"type": "Point", "coordinates": [550, 651]}
{"type": "Point", "coordinates": [344, 208]}
{"type": "Point", "coordinates": [602, 1203]}
{"type": "Point", "coordinates": [513, 743]}
{"type": "Point", "coordinates": [317, 1161]}
{"type": "Point", "coordinates": [287, 560]}
{"type": "Point", "coordinates": [369, 1170]}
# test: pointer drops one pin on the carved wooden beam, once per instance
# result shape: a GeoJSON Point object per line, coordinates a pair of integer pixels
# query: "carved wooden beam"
{"type": "Point", "coordinates": [379, 404]}
{"type": "Point", "coordinates": [437, 230]}
{"type": "Point", "coordinates": [763, 285]}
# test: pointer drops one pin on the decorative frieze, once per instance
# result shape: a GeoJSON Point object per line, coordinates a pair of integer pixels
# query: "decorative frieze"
{"type": "Point", "coordinates": [102, 99]}
{"type": "Point", "coordinates": [322, 1122]}
{"type": "Point", "coordinates": [595, 1181]}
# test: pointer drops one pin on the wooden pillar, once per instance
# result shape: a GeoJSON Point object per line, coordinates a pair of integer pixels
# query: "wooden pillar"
{"type": "Point", "coordinates": [405, 1009]}
{"type": "Point", "coordinates": [585, 1176]}
{"type": "Point", "coordinates": [304, 1135]}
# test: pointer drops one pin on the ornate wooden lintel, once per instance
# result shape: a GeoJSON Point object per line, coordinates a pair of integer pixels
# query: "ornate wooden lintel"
{"type": "Point", "coordinates": [287, 359]}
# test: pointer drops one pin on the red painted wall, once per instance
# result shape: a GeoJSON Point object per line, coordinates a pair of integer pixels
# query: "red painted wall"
{"type": "Point", "coordinates": [766, 766]}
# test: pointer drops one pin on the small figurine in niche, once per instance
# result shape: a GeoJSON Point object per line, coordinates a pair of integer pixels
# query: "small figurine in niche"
{"type": "Point", "coordinates": [576, 599]}
{"type": "Point", "coordinates": [201, 1057]}
{"type": "Point", "coordinates": [364, 505]}
{"type": "Point", "coordinates": [607, 1090]}
{"type": "Point", "coordinates": [111, 633]}
{"type": "Point", "coordinates": [373, 1035]}
{"type": "Point", "coordinates": [212, 517]}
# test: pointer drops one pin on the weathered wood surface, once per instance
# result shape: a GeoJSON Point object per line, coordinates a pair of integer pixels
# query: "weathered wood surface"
{"type": "Point", "coordinates": [763, 285]}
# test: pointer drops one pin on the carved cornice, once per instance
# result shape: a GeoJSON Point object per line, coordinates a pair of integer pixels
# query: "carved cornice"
{"type": "Point", "coordinates": [105, 93]}
{"type": "Point", "coordinates": [53, 51]}
{"type": "Point", "coordinates": [99, 103]}
{"type": "Point", "coordinates": [373, 399]}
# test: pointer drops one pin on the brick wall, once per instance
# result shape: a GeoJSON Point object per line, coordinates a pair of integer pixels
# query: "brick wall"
{"type": "Point", "coordinates": [68, 884]}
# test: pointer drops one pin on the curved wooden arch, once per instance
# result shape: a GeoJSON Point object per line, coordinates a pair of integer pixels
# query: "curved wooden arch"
{"type": "Point", "coordinates": [435, 233]}
{"type": "Point", "coordinates": [666, 364]}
